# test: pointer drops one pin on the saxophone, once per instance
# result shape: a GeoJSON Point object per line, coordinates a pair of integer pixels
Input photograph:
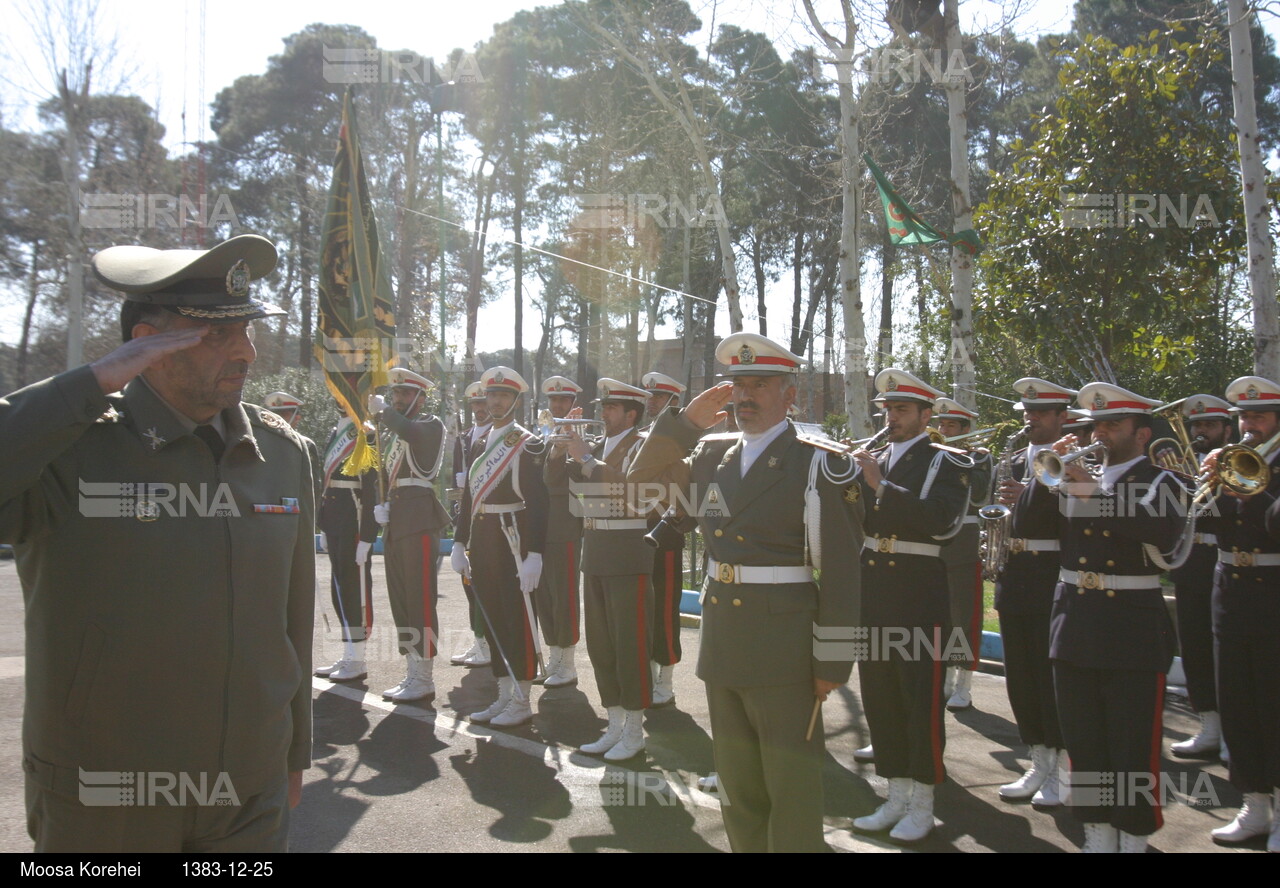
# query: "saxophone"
{"type": "Point", "coordinates": [997, 519]}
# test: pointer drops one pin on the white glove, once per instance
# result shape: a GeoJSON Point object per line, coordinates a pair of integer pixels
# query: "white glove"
{"type": "Point", "coordinates": [530, 571]}
{"type": "Point", "coordinates": [377, 404]}
{"type": "Point", "coordinates": [458, 560]}
{"type": "Point", "coordinates": [459, 479]}
{"type": "Point", "coordinates": [362, 551]}
{"type": "Point", "coordinates": [382, 513]}
{"type": "Point", "coordinates": [324, 541]}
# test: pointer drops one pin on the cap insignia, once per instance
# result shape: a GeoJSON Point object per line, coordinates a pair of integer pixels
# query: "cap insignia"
{"type": "Point", "coordinates": [1030, 392]}
{"type": "Point", "coordinates": [238, 280]}
{"type": "Point", "coordinates": [497, 377]}
{"type": "Point", "coordinates": [1251, 393]}
{"type": "Point", "coordinates": [891, 384]}
{"type": "Point", "coordinates": [1099, 402]}
{"type": "Point", "coordinates": [746, 355]}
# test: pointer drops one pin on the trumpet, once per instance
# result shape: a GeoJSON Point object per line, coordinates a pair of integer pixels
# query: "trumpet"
{"type": "Point", "coordinates": [1241, 468]}
{"type": "Point", "coordinates": [1051, 469]}
{"type": "Point", "coordinates": [844, 448]}
{"type": "Point", "coordinates": [562, 427]}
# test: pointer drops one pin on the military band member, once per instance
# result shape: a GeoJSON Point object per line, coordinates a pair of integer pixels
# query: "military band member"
{"type": "Point", "coordinates": [615, 566]}
{"type": "Point", "coordinates": [963, 564]}
{"type": "Point", "coordinates": [499, 543]}
{"type": "Point", "coordinates": [917, 494]}
{"type": "Point", "coordinates": [1110, 636]}
{"type": "Point", "coordinates": [1208, 422]}
{"type": "Point", "coordinates": [1246, 620]}
{"type": "Point", "coordinates": [762, 605]}
{"type": "Point", "coordinates": [415, 519]}
{"type": "Point", "coordinates": [668, 561]}
{"type": "Point", "coordinates": [466, 447]}
{"type": "Point", "coordinates": [350, 528]}
{"type": "Point", "coordinates": [557, 597]}
{"type": "Point", "coordinates": [162, 634]}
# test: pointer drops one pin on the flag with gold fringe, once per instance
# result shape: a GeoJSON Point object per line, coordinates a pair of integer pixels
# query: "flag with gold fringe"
{"type": "Point", "coordinates": [355, 329]}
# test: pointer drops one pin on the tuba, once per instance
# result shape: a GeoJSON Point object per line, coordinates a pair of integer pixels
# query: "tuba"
{"type": "Point", "coordinates": [997, 518]}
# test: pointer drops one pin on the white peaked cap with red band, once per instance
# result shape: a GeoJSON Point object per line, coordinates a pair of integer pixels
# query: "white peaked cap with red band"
{"type": "Point", "coordinates": [617, 390]}
{"type": "Point", "coordinates": [893, 384]}
{"type": "Point", "coordinates": [750, 354]}
{"type": "Point", "coordinates": [1206, 407]}
{"type": "Point", "coordinates": [1037, 393]}
{"type": "Point", "coordinates": [946, 408]}
{"type": "Point", "coordinates": [661, 384]}
{"type": "Point", "coordinates": [1076, 419]}
{"type": "Point", "coordinates": [474, 391]}
{"type": "Point", "coordinates": [399, 377]}
{"type": "Point", "coordinates": [560, 385]}
{"type": "Point", "coordinates": [1253, 393]}
{"type": "Point", "coordinates": [282, 401]}
{"type": "Point", "coordinates": [503, 379]}
{"type": "Point", "coordinates": [1103, 400]}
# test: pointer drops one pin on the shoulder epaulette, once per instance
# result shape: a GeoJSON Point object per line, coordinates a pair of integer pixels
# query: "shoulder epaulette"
{"type": "Point", "coordinates": [263, 418]}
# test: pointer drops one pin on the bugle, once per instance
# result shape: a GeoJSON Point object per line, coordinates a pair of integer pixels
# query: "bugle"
{"type": "Point", "coordinates": [1051, 469]}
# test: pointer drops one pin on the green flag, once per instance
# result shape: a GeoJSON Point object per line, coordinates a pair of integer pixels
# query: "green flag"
{"type": "Point", "coordinates": [355, 329]}
{"type": "Point", "coordinates": [905, 227]}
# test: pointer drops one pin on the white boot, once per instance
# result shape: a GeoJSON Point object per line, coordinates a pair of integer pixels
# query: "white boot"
{"type": "Point", "coordinates": [566, 674]}
{"type": "Point", "coordinates": [893, 810]}
{"type": "Point", "coordinates": [612, 734]}
{"type": "Point", "coordinates": [632, 742]}
{"type": "Point", "coordinates": [1100, 838]}
{"type": "Point", "coordinates": [326, 671]}
{"type": "Point", "coordinates": [865, 753]}
{"type": "Point", "coordinates": [518, 711]}
{"type": "Point", "coordinates": [481, 657]}
{"type": "Point", "coordinates": [1131, 844]}
{"type": "Point", "coordinates": [1254, 819]}
{"type": "Point", "coordinates": [411, 669]}
{"type": "Point", "coordinates": [1273, 843]}
{"type": "Point", "coordinates": [949, 681]}
{"type": "Point", "coordinates": [506, 685]}
{"type": "Point", "coordinates": [710, 783]}
{"type": "Point", "coordinates": [352, 667]}
{"type": "Point", "coordinates": [551, 665]}
{"type": "Point", "coordinates": [421, 686]}
{"type": "Point", "coordinates": [962, 697]}
{"type": "Point", "coordinates": [1208, 741]}
{"type": "Point", "coordinates": [919, 820]}
{"type": "Point", "coordinates": [1049, 795]}
{"type": "Point", "coordinates": [460, 659]}
{"type": "Point", "coordinates": [663, 692]}
{"type": "Point", "coordinates": [1029, 783]}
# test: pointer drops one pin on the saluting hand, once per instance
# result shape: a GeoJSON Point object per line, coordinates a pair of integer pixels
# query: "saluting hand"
{"type": "Point", "coordinates": [707, 409]}
{"type": "Point", "coordinates": [114, 371]}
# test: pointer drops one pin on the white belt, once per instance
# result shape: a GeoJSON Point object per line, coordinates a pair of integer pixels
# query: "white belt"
{"type": "Point", "coordinates": [411, 482]}
{"type": "Point", "coordinates": [970, 519]}
{"type": "Point", "coordinates": [1090, 580]}
{"type": "Point", "coordinates": [1248, 559]}
{"type": "Point", "coordinates": [1206, 539]}
{"type": "Point", "coordinates": [752, 573]}
{"type": "Point", "coordinates": [890, 546]}
{"type": "Point", "coordinates": [498, 508]}
{"type": "Point", "coordinates": [1018, 544]}
{"type": "Point", "coordinates": [615, 524]}
{"type": "Point", "coordinates": [353, 485]}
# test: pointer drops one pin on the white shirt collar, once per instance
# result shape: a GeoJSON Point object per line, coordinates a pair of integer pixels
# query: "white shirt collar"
{"type": "Point", "coordinates": [898, 448]}
{"type": "Point", "coordinates": [1111, 474]}
{"type": "Point", "coordinates": [610, 443]}
{"type": "Point", "coordinates": [755, 443]}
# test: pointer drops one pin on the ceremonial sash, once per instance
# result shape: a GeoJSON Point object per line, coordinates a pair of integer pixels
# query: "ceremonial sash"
{"type": "Point", "coordinates": [394, 449]}
{"type": "Point", "coordinates": [340, 447]}
{"type": "Point", "coordinates": [496, 461]}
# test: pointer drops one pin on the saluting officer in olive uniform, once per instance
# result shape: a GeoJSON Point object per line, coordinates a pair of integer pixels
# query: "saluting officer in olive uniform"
{"type": "Point", "coordinates": [164, 540]}
{"type": "Point", "coordinates": [415, 521]}
{"type": "Point", "coordinates": [466, 447]}
{"type": "Point", "coordinates": [1246, 621]}
{"type": "Point", "coordinates": [1110, 636]}
{"type": "Point", "coordinates": [773, 635]}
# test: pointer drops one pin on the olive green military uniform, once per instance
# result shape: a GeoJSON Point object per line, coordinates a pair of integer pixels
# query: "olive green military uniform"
{"type": "Point", "coordinates": [169, 603]}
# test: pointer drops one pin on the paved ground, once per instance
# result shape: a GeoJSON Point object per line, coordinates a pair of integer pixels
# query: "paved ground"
{"type": "Point", "coordinates": [408, 778]}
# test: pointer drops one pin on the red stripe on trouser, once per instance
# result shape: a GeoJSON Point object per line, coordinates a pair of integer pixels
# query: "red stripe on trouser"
{"type": "Point", "coordinates": [573, 591]}
{"type": "Point", "coordinates": [668, 590]}
{"type": "Point", "coordinates": [975, 624]}
{"type": "Point", "coordinates": [428, 581]}
{"type": "Point", "coordinates": [935, 710]}
{"type": "Point", "coordinates": [642, 649]}
{"type": "Point", "coordinates": [1157, 732]}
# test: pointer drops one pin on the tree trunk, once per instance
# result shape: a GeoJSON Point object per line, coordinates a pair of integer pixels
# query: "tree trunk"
{"type": "Point", "coordinates": [963, 375]}
{"type": "Point", "coordinates": [686, 312]}
{"type": "Point", "coordinates": [884, 354]}
{"type": "Point", "coordinates": [757, 263]}
{"type": "Point", "coordinates": [1257, 212]}
{"type": "Point", "coordinates": [33, 293]}
{"type": "Point", "coordinates": [304, 264]}
{"type": "Point", "coordinates": [797, 289]}
{"type": "Point", "coordinates": [73, 109]}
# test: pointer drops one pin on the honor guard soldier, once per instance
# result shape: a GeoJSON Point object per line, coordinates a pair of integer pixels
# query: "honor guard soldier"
{"type": "Point", "coordinates": [1246, 612]}
{"type": "Point", "coordinates": [1208, 421]}
{"type": "Point", "coordinates": [349, 529]}
{"type": "Point", "coordinates": [1025, 586]}
{"type": "Point", "coordinates": [1110, 636]}
{"type": "Point", "coordinates": [917, 494]}
{"type": "Point", "coordinates": [503, 523]}
{"type": "Point", "coordinates": [774, 509]}
{"type": "Point", "coordinates": [414, 521]}
{"type": "Point", "coordinates": [964, 566]}
{"type": "Point", "coordinates": [169, 606]}
{"type": "Point", "coordinates": [289, 408]}
{"type": "Point", "coordinates": [466, 447]}
{"type": "Point", "coordinates": [668, 561]}
{"type": "Point", "coordinates": [615, 565]}
{"type": "Point", "coordinates": [557, 596]}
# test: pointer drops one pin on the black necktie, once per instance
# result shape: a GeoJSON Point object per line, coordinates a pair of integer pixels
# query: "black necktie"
{"type": "Point", "coordinates": [209, 435]}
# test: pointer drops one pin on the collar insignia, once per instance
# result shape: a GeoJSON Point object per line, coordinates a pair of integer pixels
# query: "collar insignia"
{"type": "Point", "coordinates": [153, 438]}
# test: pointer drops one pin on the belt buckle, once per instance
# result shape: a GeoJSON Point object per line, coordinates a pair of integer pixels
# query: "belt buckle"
{"type": "Point", "coordinates": [726, 573]}
{"type": "Point", "coordinates": [1243, 559]}
{"type": "Point", "coordinates": [589, 524]}
{"type": "Point", "coordinates": [1090, 580]}
{"type": "Point", "coordinates": [884, 545]}
{"type": "Point", "coordinates": [1016, 545]}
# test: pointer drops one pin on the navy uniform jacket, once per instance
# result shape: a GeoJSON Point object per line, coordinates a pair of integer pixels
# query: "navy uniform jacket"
{"type": "Point", "coordinates": [918, 593]}
{"type": "Point", "coordinates": [759, 635]}
{"type": "Point", "coordinates": [415, 508]}
{"type": "Point", "coordinates": [1026, 584]}
{"type": "Point", "coordinates": [1246, 600]}
{"type": "Point", "coordinates": [1105, 533]}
